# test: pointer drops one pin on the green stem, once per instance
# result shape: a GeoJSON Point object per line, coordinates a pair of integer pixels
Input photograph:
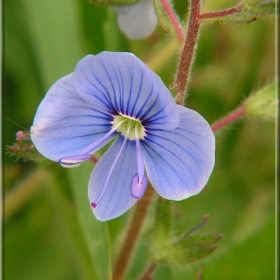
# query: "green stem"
{"type": "Point", "coordinates": [188, 52]}
{"type": "Point", "coordinates": [132, 235]}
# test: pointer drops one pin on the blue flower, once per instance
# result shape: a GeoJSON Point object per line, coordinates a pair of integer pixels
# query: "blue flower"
{"type": "Point", "coordinates": [115, 97]}
{"type": "Point", "coordinates": [137, 21]}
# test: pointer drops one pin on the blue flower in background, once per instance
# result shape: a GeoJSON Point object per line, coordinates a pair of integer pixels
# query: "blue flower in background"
{"type": "Point", "coordinates": [116, 97]}
{"type": "Point", "coordinates": [137, 21]}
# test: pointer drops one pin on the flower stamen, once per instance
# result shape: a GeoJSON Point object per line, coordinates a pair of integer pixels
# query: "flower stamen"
{"type": "Point", "coordinates": [95, 145]}
{"type": "Point", "coordinates": [128, 121]}
{"type": "Point", "coordinates": [84, 155]}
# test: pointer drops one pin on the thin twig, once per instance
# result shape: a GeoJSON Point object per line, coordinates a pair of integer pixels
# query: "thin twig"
{"type": "Point", "coordinates": [174, 20]}
{"type": "Point", "coordinates": [222, 13]}
{"type": "Point", "coordinates": [231, 117]}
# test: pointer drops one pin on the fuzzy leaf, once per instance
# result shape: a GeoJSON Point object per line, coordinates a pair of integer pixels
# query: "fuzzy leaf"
{"type": "Point", "coordinates": [190, 250]}
{"type": "Point", "coordinates": [163, 221]}
{"type": "Point", "coordinates": [259, 8]}
{"type": "Point", "coordinates": [263, 103]}
{"type": "Point", "coordinates": [247, 12]}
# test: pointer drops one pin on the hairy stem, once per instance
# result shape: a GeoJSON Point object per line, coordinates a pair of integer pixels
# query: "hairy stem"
{"type": "Point", "coordinates": [132, 235]}
{"type": "Point", "coordinates": [174, 20]}
{"type": "Point", "coordinates": [222, 13]}
{"type": "Point", "coordinates": [231, 117]}
{"type": "Point", "coordinates": [188, 52]}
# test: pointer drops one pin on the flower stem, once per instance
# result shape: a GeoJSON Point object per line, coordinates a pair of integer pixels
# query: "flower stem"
{"type": "Point", "coordinates": [174, 20]}
{"type": "Point", "coordinates": [132, 235]}
{"type": "Point", "coordinates": [147, 273]}
{"type": "Point", "coordinates": [231, 117]}
{"type": "Point", "coordinates": [222, 13]}
{"type": "Point", "coordinates": [188, 52]}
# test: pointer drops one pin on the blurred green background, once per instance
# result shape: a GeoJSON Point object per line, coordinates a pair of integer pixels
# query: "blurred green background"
{"type": "Point", "coordinates": [50, 232]}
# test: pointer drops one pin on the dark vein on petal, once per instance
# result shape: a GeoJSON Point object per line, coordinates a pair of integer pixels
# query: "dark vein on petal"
{"type": "Point", "coordinates": [195, 159]}
{"type": "Point", "coordinates": [167, 162]}
{"type": "Point", "coordinates": [138, 94]}
{"type": "Point", "coordinates": [138, 115]}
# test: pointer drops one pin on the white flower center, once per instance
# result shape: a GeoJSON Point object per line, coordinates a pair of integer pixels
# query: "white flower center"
{"type": "Point", "coordinates": [129, 127]}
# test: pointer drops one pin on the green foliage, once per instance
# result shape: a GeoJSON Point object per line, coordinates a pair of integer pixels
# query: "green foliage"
{"type": "Point", "coordinates": [183, 250]}
{"type": "Point", "coordinates": [192, 249]}
{"type": "Point", "coordinates": [263, 103]}
{"type": "Point", "coordinates": [162, 221]}
{"type": "Point", "coordinates": [260, 8]}
{"type": "Point", "coordinates": [248, 12]}
{"type": "Point", "coordinates": [254, 10]}
{"type": "Point", "coordinates": [95, 233]}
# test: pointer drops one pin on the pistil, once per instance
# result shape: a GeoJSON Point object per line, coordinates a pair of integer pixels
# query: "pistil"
{"type": "Point", "coordinates": [128, 121]}
{"type": "Point", "coordinates": [139, 181]}
{"type": "Point", "coordinates": [140, 161]}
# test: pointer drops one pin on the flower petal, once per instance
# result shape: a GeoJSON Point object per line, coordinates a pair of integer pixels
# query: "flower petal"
{"type": "Point", "coordinates": [65, 123]}
{"type": "Point", "coordinates": [121, 83]}
{"type": "Point", "coordinates": [117, 198]}
{"type": "Point", "coordinates": [138, 21]}
{"type": "Point", "coordinates": [180, 161]}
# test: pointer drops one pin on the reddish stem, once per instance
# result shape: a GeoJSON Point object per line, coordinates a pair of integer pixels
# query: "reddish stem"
{"type": "Point", "coordinates": [132, 234]}
{"type": "Point", "coordinates": [232, 117]}
{"type": "Point", "coordinates": [174, 20]}
{"type": "Point", "coordinates": [188, 52]}
{"type": "Point", "coordinates": [147, 275]}
{"type": "Point", "coordinates": [217, 14]}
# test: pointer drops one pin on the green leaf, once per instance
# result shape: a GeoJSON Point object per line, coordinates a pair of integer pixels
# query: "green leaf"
{"type": "Point", "coordinates": [69, 220]}
{"type": "Point", "coordinates": [263, 103]}
{"type": "Point", "coordinates": [258, 9]}
{"type": "Point", "coordinates": [96, 233]}
{"type": "Point", "coordinates": [56, 36]}
{"type": "Point", "coordinates": [164, 19]}
{"type": "Point", "coordinates": [190, 250]}
{"type": "Point", "coordinates": [263, 7]}
{"type": "Point", "coordinates": [163, 221]}
{"type": "Point", "coordinates": [114, 2]}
